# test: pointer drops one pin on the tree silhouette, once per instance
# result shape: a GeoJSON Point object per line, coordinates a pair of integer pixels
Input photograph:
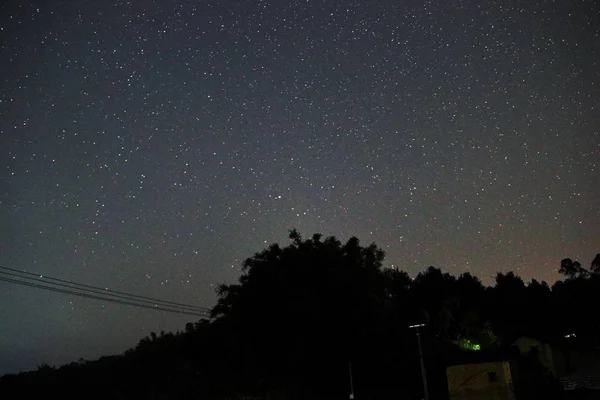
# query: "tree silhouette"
{"type": "Point", "coordinates": [595, 265]}
{"type": "Point", "coordinates": [572, 269]}
{"type": "Point", "coordinates": [314, 299]}
{"type": "Point", "coordinates": [300, 314]}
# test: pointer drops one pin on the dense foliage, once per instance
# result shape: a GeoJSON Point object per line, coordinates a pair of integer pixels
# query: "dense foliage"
{"type": "Point", "coordinates": [301, 316]}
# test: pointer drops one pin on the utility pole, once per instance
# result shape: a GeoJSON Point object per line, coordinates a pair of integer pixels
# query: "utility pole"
{"type": "Point", "coordinates": [423, 374]}
{"type": "Point", "coordinates": [351, 383]}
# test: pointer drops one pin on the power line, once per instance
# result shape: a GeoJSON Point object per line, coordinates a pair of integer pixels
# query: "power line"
{"type": "Point", "coordinates": [90, 296]}
{"type": "Point", "coordinates": [127, 298]}
{"type": "Point", "coordinates": [103, 291]}
{"type": "Point", "coordinates": [105, 294]}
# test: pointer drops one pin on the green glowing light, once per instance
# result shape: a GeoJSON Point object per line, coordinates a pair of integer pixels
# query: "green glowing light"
{"type": "Point", "coordinates": [468, 345]}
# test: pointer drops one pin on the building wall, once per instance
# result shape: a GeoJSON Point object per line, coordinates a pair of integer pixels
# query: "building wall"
{"type": "Point", "coordinates": [491, 380]}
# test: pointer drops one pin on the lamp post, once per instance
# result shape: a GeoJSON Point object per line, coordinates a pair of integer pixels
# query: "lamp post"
{"type": "Point", "coordinates": [423, 374]}
{"type": "Point", "coordinates": [567, 351]}
{"type": "Point", "coordinates": [351, 382]}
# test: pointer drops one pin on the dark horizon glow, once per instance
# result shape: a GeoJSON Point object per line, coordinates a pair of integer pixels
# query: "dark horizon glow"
{"type": "Point", "coordinates": [150, 147]}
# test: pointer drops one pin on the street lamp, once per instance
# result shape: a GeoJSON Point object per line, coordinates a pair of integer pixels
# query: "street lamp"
{"type": "Point", "coordinates": [567, 350]}
{"type": "Point", "coordinates": [423, 374]}
{"type": "Point", "coordinates": [351, 383]}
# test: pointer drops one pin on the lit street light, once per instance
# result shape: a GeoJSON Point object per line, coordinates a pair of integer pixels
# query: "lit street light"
{"type": "Point", "coordinates": [423, 374]}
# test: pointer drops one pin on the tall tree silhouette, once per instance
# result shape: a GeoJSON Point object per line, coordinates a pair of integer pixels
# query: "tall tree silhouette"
{"type": "Point", "coordinates": [509, 318]}
{"type": "Point", "coordinates": [471, 320]}
{"type": "Point", "coordinates": [312, 300]}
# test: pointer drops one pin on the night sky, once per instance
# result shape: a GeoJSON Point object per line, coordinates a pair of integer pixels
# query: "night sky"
{"type": "Point", "coordinates": [151, 146]}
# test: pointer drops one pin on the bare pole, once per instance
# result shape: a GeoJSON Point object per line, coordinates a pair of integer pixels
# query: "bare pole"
{"type": "Point", "coordinates": [423, 373]}
{"type": "Point", "coordinates": [351, 383]}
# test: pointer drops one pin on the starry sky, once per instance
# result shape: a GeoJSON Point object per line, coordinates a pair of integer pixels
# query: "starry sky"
{"type": "Point", "coordinates": [151, 146]}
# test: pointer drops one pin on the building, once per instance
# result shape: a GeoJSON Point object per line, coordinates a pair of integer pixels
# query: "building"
{"type": "Point", "coordinates": [485, 380]}
{"type": "Point", "coordinates": [576, 365]}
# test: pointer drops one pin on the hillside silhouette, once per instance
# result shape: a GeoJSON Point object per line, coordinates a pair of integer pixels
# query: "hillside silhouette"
{"type": "Point", "coordinates": [305, 317]}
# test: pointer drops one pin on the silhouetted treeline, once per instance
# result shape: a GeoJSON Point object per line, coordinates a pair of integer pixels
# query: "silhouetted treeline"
{"type": "Point", "coordinates": [302, 315]}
